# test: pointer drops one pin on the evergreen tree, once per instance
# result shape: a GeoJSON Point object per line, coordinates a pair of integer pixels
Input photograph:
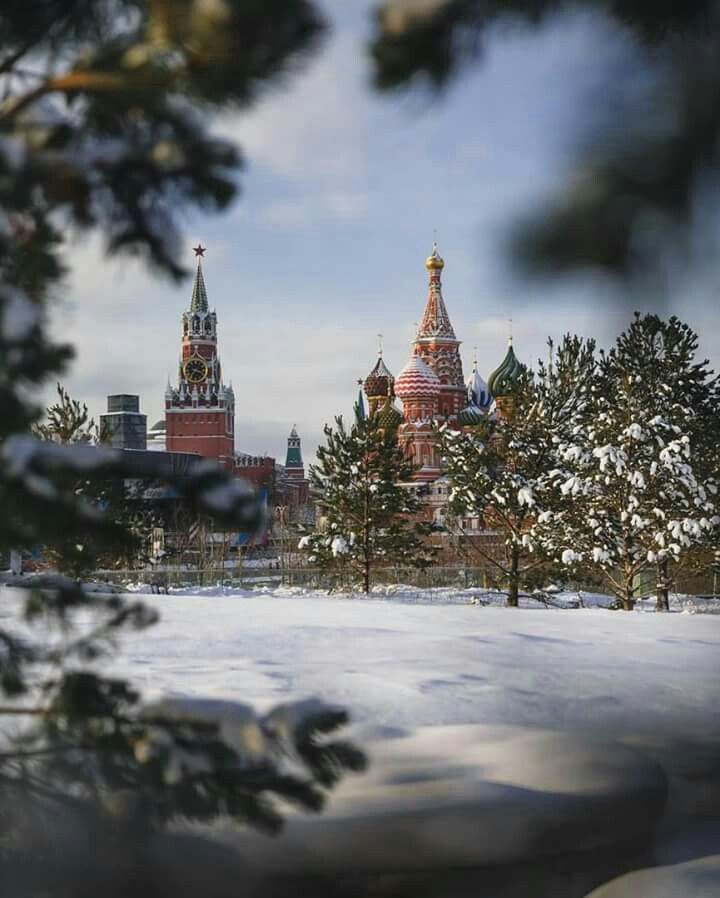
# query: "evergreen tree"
{"type": "Point", "coordinates": [101, 127]}
{"type": "Point", "coordinates": [369, 513]}
{"type": "Point", "coordinates": [637, 479]}
{"type": "Point", "coordinates": [501, 470]}
{"type": "Point", "coordinates": [67, 421]}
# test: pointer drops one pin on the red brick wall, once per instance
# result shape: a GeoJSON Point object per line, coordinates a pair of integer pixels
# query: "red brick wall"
{"type": "Point", "coordinates": [262, 474]}
{"type": "Point", "coordinates": [201, 431]}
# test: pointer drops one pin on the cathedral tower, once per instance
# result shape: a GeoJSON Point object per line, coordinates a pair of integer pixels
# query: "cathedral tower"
{"type": "Point", "coordinates": [437, 345]}
{"type": "Point", "coordinates": [200, 411]}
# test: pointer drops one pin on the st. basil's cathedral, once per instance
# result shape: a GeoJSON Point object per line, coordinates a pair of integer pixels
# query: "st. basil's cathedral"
{"type": "Point", "coordinates": [432, 386]}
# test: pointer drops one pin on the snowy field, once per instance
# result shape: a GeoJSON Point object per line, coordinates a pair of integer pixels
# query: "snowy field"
{"type": "Point", "coordinates": [436, 658]}
{"type": "Point", "coordinates": [557, 729]}
{"type": "Point", "coordinates": [529, 723]}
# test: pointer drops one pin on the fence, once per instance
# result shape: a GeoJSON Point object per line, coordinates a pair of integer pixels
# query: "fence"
{"type": "Point", "coordinates": [438, 576]}
{"type": "Point", "coordinates": [454, 576]}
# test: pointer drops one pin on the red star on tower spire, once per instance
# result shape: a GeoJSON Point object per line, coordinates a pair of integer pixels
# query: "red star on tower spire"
{"type": "Point", "coordinates": [199, 250]}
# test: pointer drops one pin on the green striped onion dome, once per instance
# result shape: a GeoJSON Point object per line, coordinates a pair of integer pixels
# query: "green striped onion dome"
{"type": "Point", "coordinates": [470, 415]}
{"type": "Point", "coordinates": [503, 379]}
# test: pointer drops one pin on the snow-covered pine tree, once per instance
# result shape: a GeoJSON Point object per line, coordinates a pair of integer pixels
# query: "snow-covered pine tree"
{"type": "Point", "coordinates": [369, 514]}
{"type": "Point", "coordinates": [502, 469]}
{"type": "Point", "coordinates": [637, 481]}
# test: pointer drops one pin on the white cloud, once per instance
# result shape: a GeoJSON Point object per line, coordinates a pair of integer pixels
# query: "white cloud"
{"type": "Point", "coordinates": [318, 130]}
{"type": "Point", "coordinates": [316, 208]}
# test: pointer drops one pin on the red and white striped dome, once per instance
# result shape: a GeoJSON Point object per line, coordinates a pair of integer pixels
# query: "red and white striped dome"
{"type": "Point", "coordinates": [417, 381]}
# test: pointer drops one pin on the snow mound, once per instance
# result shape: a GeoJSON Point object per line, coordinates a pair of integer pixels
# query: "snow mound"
{"type": "Point", "coordinates": [694, 879]}
{"type": "Point", "coordinates": [429, 795]}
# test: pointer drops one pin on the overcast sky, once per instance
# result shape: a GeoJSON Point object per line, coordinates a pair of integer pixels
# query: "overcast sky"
{"type": "Point", "coordinates": [325, 246]}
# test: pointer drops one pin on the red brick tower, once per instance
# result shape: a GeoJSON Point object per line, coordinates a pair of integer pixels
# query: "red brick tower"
{"type": "Point", "coordinates": [437, 345]}
{"type": "Point", "coordinates": [200, 411]}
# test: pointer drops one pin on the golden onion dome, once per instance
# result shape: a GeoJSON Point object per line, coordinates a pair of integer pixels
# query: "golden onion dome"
{"type": "Point", "coordinates": [434, 261]}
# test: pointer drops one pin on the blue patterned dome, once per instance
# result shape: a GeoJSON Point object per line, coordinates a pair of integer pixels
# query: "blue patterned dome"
{"type": "Point", "coordinates": [478, 391]}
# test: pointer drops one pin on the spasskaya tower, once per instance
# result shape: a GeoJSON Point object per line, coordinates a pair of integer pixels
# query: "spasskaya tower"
{"type": "Point", "coordinates": [200, 411]}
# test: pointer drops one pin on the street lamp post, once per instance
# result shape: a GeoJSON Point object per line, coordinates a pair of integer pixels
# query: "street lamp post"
{"type": "Point", "coordinates": [280, 512]}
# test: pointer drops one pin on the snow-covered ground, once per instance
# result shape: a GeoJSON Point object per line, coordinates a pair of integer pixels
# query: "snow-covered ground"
{"type": "Point", "coordinates": [524, 722]}
{"type": "Point", "coordinates": [554, 729]}
{"type": "Point", "coordinates": [419, 659]}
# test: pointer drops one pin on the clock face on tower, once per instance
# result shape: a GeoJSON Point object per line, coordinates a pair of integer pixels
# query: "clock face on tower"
{"type": "Point", "coordinates": [195, 371]}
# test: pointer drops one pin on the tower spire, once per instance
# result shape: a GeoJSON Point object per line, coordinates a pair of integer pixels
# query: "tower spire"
{"type": "Point", "coordinates": [435, 321]}
{"type": "Point", "coordinates": [199, 301]}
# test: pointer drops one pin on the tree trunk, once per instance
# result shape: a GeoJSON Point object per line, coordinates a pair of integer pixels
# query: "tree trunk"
{"type": "Point", "coordinates": [663, 587]}
{"type": "Point", "coordinates": [366, 577]}
{"type": "Point", "coordinates": [628, 600]}
{"type": "Point", "coordinates": [514, 579]}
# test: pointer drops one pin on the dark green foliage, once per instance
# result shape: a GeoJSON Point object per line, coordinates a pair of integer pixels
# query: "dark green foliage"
{"type": "Point", "coordinates": [103, 125]}
{"type": "Point", "coordinates": [367, 512]}
{"type": "Point", "coordinates": [67, 421]}
{"type": "Point", "coordinates": [150, 765]}
{"type": "Point", "coordinates": [110, 96]}
{"type": "Point", "coordinates": [502, 470]}
{"type": "Point", "coordinates": [629, 202]}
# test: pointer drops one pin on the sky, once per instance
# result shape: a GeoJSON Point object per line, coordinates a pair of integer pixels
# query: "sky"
{"type": "Point", "coordinates": [341, 197]}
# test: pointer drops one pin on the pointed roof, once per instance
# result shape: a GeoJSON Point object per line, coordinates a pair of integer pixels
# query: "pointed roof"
{"type": "Point", "coordinates": [293, 459]}
{"type": "Point", "coordinates": [360, 404]}
{"type": "Point", "coordinates": [435, 321]}
{"type": "Point", "coordinates": [381, 368]}
{"type": "Point", "coordinates": [199, 301]}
